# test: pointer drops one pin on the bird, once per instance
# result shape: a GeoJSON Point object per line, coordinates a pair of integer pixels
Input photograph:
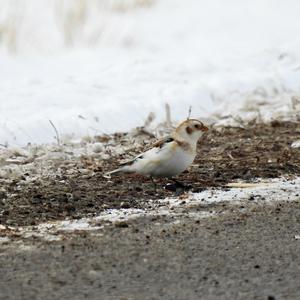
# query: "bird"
{"type": "Point", "coordinates": [169, 156]}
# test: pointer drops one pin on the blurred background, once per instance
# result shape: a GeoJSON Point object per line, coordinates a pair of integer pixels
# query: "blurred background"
{"type": "Point", "coordinates": [100, 66]}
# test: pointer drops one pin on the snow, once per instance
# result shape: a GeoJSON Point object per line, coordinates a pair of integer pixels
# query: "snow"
{"type": "Point", "coordinates": [262, 191]}
{"type": "Point", "coordinates": [296, 144]}
{"type": "Point", "coordinates": [267, 191]}
{"type": "Point", "coordinates": [225, 58]}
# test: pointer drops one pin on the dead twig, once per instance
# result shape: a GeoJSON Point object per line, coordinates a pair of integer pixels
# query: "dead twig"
{"type": "Point", "coordinates": [149, 119]}
{"type": "Point", "coordinates": [168, 115]}
{"type": "Point", "coordinates": [190, 112]}
{"type": "Point", "coordinates": [56, 133]}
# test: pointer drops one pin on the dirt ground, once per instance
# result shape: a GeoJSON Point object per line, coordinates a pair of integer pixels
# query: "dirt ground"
{"type": "Point", "coordinates": [224, 154]}
{"type": "Point", "coordinates": [248, 250]}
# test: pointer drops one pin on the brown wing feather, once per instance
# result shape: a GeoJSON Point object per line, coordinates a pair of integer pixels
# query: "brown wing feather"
{"type": "Point", "coordinates": [160, 143]}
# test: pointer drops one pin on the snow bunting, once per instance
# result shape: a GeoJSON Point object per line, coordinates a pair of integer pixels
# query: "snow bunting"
{"type": "Point", "coordinates": [167, 157]}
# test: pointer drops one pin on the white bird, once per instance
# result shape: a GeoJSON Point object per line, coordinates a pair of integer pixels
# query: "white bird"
{"type": "Point", "coordinates": [167, 157]}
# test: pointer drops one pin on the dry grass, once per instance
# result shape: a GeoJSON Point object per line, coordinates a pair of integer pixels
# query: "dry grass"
{"type": "Point", "coordinates": [83, 20]}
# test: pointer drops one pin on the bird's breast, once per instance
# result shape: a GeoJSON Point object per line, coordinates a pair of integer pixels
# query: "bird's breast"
{"type": "Point", "coordinates": [177, 162]}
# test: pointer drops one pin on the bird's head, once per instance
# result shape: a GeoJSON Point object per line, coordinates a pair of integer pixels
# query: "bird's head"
{"type": "Point", "coordinates": [190, 130]}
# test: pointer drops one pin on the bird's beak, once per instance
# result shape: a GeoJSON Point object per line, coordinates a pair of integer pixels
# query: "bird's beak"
{"type": "Point", "coordinates": [204, 128]}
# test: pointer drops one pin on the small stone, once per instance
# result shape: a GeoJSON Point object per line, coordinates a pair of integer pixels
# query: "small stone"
{"type": "Point", "coordinates": [125, 205]}
{"type": "Point", "coordinates": [121, 224]}
{"type": "Point", "coordinates": [296, 144]}
{"type": "Point", "coordinates": [2, 195]}
{"type": "Point", "coordinates": [275, 123]}
{"type": "Point", "coordinates": [98, 147]}
{"type": "Point", "coordinates": [93, 274]}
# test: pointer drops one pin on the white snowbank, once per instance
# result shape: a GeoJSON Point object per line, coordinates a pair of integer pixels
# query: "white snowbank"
{"type": "Point", "coordinates": [222, 57]}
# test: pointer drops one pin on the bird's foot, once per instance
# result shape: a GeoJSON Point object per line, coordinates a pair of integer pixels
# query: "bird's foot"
{"type": "Point", "coordinates": [177, 187]}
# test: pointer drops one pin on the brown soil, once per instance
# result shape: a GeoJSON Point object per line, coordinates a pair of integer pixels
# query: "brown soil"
{"type": "Point", "coordinates": [225, 154]}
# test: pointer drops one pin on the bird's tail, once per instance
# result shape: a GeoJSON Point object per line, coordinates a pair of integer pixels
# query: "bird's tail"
{"type": "Point", "coordinates": [108, 174]}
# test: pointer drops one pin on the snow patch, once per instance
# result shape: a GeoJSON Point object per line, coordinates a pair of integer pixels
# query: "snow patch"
{"type": "Point", "coordinates": [262, 191]}
{"type": "Point", "coordinates": [296, 144]}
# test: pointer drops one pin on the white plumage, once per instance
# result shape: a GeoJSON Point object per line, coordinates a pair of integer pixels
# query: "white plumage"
{"type": "Point", "coordinates": [170, 156]}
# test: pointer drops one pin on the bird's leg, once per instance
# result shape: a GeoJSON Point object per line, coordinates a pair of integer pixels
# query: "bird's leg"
{"type": "Point", "coordinates": [179, 184]}
{"type": "Point", "coordinates": [153, 183]}
{"type": "Point", "coordinates": [176, 186]}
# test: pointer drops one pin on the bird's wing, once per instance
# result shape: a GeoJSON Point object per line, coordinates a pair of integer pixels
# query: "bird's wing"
{"type": "Point", "coordinates": [155, 147]}
{"type": "Point", "coordinates": [161, 143]}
